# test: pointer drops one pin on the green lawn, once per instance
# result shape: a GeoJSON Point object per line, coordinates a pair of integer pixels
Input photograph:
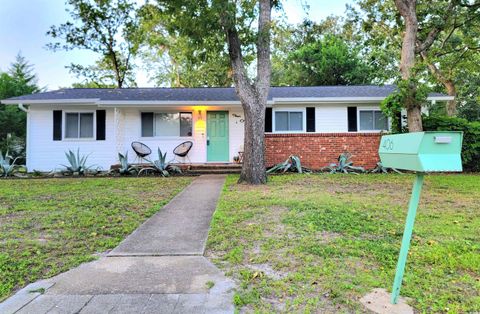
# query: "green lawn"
{"type": "Point", "coordinates": [317, 243]}
{"type": "Point", "coordinates": [51, 225]}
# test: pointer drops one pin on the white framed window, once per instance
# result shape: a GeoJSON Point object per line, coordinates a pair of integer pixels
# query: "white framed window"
{"type": "Point", "coordinates": [79, 125]}
{"type": "Point", "coordinates": [289, 121]}
{"type": "Point", "coordinates": [169, 124]}
{"type": "Point", "coordinates": [372, 120]}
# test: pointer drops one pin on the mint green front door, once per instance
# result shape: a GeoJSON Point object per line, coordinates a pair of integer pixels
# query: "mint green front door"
{"type": "Point", "coordinates": [217, 136]}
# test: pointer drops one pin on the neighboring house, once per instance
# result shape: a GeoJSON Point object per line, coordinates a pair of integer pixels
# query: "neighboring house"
{"type": "Point", "coordinates": [317, 123]}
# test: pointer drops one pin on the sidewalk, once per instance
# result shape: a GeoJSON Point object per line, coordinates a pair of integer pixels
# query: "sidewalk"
{"type": "Point", "coordinates": [159, 268]}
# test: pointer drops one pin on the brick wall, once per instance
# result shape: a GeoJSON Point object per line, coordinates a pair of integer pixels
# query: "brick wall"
{"type": "Point", "coordinates": [317, 150]}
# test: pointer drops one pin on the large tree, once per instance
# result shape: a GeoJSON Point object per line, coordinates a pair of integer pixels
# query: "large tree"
{"type": "Point", "coordinates": [20, 79]}
{"type": "Point", "coordinates": [106, 27]}
{"type": "Point", "coordinates": [326, 61]}
{"type": "Point", "coordinates": [203, 21]}
{"type": "Point", "coordinates": [423, 33]}
{"type": "Point", "coordinates": [175, 60]}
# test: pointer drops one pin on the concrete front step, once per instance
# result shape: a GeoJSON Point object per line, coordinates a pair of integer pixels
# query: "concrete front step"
{"type": "Point", "coordinates": [213, 168]}
{"type": "Point", "coordinates": [214, 171]}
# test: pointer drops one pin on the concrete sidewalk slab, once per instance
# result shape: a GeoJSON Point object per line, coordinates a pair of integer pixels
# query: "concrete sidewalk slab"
{"type": "Point", "coordinates": [181, 227]}
{"type": "Point", "coordinates": [141, 275]}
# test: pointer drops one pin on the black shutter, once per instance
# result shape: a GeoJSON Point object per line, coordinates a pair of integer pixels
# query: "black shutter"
{"type": "Point", "coordinates": [101, 117]}
{"type": "Point", "coordinates": [268, 120]}
{"type": "Point", "coordinates": [352, 119]}
{"type": "Point", "coordinates": [147, 124]}
{"type": "Point", "coordinates": [57, 125]}
{"type": "Point", "coordinates": [310, 119]}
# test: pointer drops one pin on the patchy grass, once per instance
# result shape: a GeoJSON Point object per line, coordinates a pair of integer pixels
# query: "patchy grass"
{"type": "Point", "coordinates": [318, 243]}
{"type": "Point", "coordinates": [49, 226]}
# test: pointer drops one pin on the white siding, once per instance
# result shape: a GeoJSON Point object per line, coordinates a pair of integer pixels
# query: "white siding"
{"type": "Point", "coordinates": [45, 154]}
{"type": "Point", "coordinates": [236, 130]}
{"type": "Point", "coordinates": [331, 118]}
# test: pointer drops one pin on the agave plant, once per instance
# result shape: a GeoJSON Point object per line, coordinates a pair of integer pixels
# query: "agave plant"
{"type": "Point", "coordinates": [78, 163]}
{"type": "Point", "coordinates": [125, 167]}
{"type": "Point", "coordinates": [344, 165]}
{"type": "Point", "coordinates": [291, 164]}
{"type": "Point", "coordinates": [161, 166]}
{"type": "Point", "coordinates": [380, 168]}
{"type": "Point", "coordinates": [7, 165]}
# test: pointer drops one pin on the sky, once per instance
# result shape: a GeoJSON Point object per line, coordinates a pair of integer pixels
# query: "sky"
{"type": "Point", "coordinates": [24, 23]}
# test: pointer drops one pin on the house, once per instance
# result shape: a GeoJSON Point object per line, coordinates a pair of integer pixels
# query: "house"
{"type": "Point", "coordinates": [317, 123]}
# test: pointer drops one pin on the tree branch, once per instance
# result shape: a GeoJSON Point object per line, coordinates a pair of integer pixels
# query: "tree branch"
{"type": "Point", "coordinates": [433, 33]}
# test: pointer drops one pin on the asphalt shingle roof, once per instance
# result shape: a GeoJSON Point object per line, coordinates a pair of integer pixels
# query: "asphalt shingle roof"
{"type": "Point", "coordinates": [207, 93]}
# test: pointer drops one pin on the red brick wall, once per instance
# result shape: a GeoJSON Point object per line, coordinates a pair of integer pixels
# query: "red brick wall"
{"type": "Point", "coordinates": [317, 150]}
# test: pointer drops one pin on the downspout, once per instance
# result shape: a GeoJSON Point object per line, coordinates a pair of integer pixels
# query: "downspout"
{"type": "Point", "coordinates": [22, 107]}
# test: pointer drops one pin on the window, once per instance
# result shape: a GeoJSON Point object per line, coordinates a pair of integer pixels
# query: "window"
{"type": "Point", "coordinates": [288, 121]}
{"type": "Point", "coordinates": [167, 124]}
{"type": "Point", "coordinates": [79, 125]}
{"type": "Point", "coordinates": [373, 120]}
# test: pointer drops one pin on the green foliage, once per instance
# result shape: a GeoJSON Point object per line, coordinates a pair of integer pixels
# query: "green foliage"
{"type": "Point", "coordinates": [453, 53]}
{"type": "Point", "coordinates": [77, 163]}
{"type": "Point", "coordinates": [291, 164]}
{"type": "Point", "coordinates": [471, 137]}
{"type": "Point", "coordinates": [7, 165]}
{"type": "Point", "coordinates": [109, 28]}
{"type": "Point", "coordinates": [14, 145]}
{"type": "Point", "coordinates": [174, 59]}
{"type": "Point", "coordinates": [19, 80]}
{"type": "Point", "coordinates": [49, 226]}
{"type": "Point", "coordinates": [187, 40]}
{"type": "Point", "coordinates": [326, 61]}
{"type": "Point", "coordinates": [344, 165]}
{"type": "Point", "coordinates": [393, 104]}
{"type": "Point", "coordinates": [161, 166]}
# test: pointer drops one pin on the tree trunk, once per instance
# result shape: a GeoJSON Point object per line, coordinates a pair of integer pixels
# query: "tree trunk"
{"type": "Point", "coordinates": [253, 170]}
{"type": "Point", "coordinates": [407, 9]}
{"type": "Point", "coordinates": [252, 96]}
{"type": "Point", "coordinates": [447, 83]}
{"type": "Point", "coordinates": [451, 104]}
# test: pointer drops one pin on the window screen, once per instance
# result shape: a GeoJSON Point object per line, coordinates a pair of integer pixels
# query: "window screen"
{"type": "Point", "coordinates": [78, 125]}
{"type": "Point", "coordinates": [186, 124]}
{"type": "Point", "coordinates": [288, 121]}
{"type": "Point", "coordinates": [373, 120]}
{"type": "Point", "coordinates": [167, 124]}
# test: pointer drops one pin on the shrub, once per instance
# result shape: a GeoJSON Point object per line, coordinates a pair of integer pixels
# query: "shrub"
{"type": "Point", "coordinates": [471, 137]}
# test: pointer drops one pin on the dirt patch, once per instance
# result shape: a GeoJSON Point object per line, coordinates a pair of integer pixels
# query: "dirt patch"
{"type": "Point", "coordinates": [267, 270]}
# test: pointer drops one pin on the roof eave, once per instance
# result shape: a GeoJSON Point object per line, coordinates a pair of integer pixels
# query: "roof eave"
{"type": "Point", "coordinates": [86, 101]}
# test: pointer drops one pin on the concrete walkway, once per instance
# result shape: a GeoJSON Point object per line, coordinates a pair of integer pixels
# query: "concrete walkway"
{"type": "Point", "coordinates": [160, 268]}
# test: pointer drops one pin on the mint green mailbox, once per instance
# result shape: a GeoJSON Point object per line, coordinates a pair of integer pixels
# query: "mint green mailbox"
{"type": "Point", "coordinates": [421, 152]}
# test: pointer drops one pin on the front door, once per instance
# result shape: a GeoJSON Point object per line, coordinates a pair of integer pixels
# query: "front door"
{"type": "Point", "coordinates": [217, 136]}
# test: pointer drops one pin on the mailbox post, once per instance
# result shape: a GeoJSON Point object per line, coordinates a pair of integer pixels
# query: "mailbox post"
{"type": "Point", "coordinates": [421, 152]}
